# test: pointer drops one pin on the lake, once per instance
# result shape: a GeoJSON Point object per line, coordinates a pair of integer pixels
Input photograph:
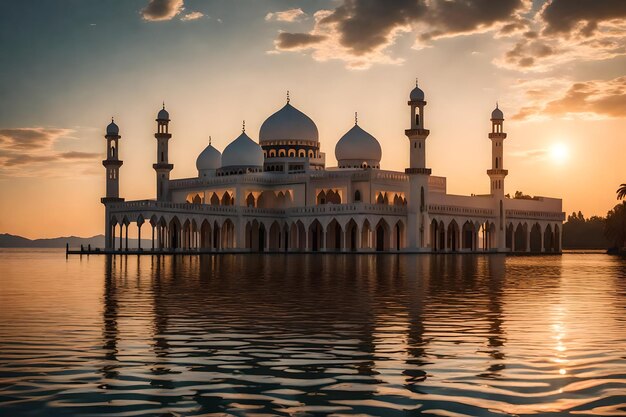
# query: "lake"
{"type": "Point", "coordinates": [257, 335]}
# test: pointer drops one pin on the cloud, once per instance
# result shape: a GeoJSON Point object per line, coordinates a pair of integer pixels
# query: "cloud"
{"type": "Point", "coordinates": [286, 40]}
{"type": "Point", "coordinates": [582, 16]}
{"type": "Point", "coordinates": [360, 32]}
{"type": "Point", "coordinates": [159, 10]}
{"type": "Point", "coordinates": [79, 155]}
{"type": "Point", "coordinates": [539, 153]}
{"type": "Point", "coordinates": [564, 31]}
{"type": "Point", "coordinates": [26, 152]}
{"type": "Point", "coordinates": [594, 99]}
{"type": "Point", "coordinates": [192, 16]}
{"type": "Point", "coordinates": [291, 15]}
{"type": "Point", "coordinates": [30, 138]}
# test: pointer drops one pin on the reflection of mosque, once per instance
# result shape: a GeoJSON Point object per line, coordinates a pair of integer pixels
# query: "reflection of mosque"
{"type": "Point", "coordinates": [380, 327]}
{"type": "Point", "coordinates": [278, 195]}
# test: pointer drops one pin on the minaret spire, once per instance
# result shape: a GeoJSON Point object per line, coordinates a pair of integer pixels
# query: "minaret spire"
{"type": "Point", "coordinates": [243, 127]}
{"type": "Point", "coordinates": [287, 96]}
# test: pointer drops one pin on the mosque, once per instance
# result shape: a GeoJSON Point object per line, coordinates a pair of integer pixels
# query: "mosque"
{"type": "Point", "coordinates": [277, 195]}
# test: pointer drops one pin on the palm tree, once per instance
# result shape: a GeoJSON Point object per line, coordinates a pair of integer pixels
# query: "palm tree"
{"type": "Point", "coordinates": [621, 192]}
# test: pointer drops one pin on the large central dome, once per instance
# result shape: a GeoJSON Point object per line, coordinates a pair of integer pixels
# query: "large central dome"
{"type": "Point", "coordinates": [288, 123]}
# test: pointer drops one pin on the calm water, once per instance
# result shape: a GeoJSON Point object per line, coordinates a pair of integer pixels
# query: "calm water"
{"type": "Point", "coordinates": [305, 335]}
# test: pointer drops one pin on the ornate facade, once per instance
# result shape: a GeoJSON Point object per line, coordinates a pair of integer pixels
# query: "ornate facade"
{"type": "Point", "coordinates": [278, 195]}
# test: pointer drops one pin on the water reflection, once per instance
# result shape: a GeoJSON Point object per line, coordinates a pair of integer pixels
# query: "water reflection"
{"type": "Point", "coordinates": [315, 335]}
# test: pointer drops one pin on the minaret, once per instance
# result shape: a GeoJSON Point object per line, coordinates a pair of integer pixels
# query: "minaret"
{"type": "Point", "coordinates": [497, 173]}
{"type": "Point", "coordinates": [162, 166]}
{"type": "Point", "coordinates": [418, 221]}
{"type": "Point", "coordinates": [112, 165]}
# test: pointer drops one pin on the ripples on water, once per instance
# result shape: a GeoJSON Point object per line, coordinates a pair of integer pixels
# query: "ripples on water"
{"type": "Point", "coordinates": [299, 335]}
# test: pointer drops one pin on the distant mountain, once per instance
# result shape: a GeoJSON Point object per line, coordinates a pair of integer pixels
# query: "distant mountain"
{"type": "Point", "coordinates": [12, 241]}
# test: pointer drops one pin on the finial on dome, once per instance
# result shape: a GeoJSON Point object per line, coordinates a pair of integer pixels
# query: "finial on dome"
{"type": "Point", "coordinates": [209, 140]}
{"type": "Point", "coordinates": [287, 96]}
{"type": "Point", "coordinates": [243, 128]}
{"type": "Point", "coordinates": [163, 104]}
{"type": "Point", "coordinates": [356, 118]}
{"type": "Point", "coordinates": [112, 120]}
{"type": "Point", "coordinates": [416, 81]}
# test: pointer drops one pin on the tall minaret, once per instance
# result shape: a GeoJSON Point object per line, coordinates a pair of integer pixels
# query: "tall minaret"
{"type": "Point", "coordinates": [418, 221]}
{"type": "Point", "coordinates": [162, 166]}
{"type": "Point", "coordinates": [112, 164]}
{"type": "Point", "coordinates": [497, 173]}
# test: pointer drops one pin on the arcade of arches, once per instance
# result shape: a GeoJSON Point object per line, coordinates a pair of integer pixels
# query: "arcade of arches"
{"type": "Point", "coordinates": [336, 235]}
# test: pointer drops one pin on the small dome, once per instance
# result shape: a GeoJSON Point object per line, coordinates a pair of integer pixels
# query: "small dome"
{"type": "Point", "coordinates": [358, 145]}
{"type": "Point", "coordinates": [243, 151]}
{"type": "Point", "coordinates": [417, 94]}
{"type": "Point", "coordinates": [497, 114]}
{"type": "Point", "coordinates": [288, 123]}
{"type": "Point", "coordinates": [209, 158]}
{"type": "Point", "coordinates": [163, 114]}
{"type": "Point", "coordinates": [112, 129]}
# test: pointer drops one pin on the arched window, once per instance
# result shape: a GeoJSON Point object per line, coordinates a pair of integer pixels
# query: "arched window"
{"type": "Point", "coordinates": [112, 151]}
{"type": "Point", "coordinates": [357, 195]}
{"type": "Point", "coordinates": [496, 162]}
{"type": "Point", "coordinates": [272, 153]}
{"type": "Point", "coordinates": [301, 153]}
{"type": "Point", "coordinates": [162, 157]}
{"type": "Point", "coordinates": [310, 154]}
{"type": "Point", "coordinates": [291, 153]}
{"type": "Point", "coordinates": [422, 199]}
{"type": "Point", "coordinates": [281, 152]}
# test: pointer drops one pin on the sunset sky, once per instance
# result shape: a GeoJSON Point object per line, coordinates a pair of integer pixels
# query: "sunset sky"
{"type": "Point", "coordinates": [557, 69]}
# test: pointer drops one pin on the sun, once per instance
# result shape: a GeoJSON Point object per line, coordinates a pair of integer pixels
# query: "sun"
{"type": "Point", "coordinates": [559, 152]}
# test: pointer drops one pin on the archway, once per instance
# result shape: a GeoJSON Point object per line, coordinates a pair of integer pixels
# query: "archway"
{"type": "Point", "coordinates": [352, 236]}
{"type": "Point", "coordinates": [382, 236]}
{"type": "Point", "coordinates": [535, 238]}
{"type": "Point", "coordinates": [557, 239]}
{"type": "Point", "coordinates": [274, 241]}
{"type": "Point", "coordinates": [398, 235]}
{"type": "Point", "coordinates": [548, 239]}
{"type": "Point", "coordinates": [453, 236]}
{"type": "Point", "coordinates": [315, 236]}
{"type": "Point", "coordinates": [510, 240]}
{"type": "Point", "coordinates": [334, 238]}
{"type": "Point", "coordinates": [228, 234]}
{"type": "Point", "coordinates": [262, 234]}
{"type": "Point", "coordinates": [468, 236]}
{"type": "Point", "coordinates": [520, 238]}
{"type": "Point", "coordinates": [366, 233]}
{"type": "Point", "coordinates": [205, 235]}
{"type": "Point", "coordinates": [301, 245]}
{"type": "Point", "coordinates": [174, 229]}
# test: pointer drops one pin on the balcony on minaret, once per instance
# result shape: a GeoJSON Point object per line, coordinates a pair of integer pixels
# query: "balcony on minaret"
{"type": "Point", "coordinates": [162, 165]}
{"type": "Point", "coordinates": [419, 171]}
{"type": "Point", "coordinates": [417, 132]}
{"type": "Point", "coordinates": [498, 172]}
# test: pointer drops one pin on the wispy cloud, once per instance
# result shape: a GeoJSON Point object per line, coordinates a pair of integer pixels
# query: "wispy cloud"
{"type": "Point", "coordinates": [291, 15]}
{"type": "Point", "coordinates": [192, 16]}
{"type": "Point", "coordinates": [26, 152]}
{"type": "Point", "coordinates": [593, 99]}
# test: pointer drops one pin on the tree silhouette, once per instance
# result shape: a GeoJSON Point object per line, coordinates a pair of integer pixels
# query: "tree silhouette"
{"type": "Point", "coordinates": [615, 226]}
{"type": "Point", "coordinates": [621, 192]}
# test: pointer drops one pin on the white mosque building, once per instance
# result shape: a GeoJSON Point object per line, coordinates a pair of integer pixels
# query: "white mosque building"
{"type": "Point", "coordinates": [277, 195]}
